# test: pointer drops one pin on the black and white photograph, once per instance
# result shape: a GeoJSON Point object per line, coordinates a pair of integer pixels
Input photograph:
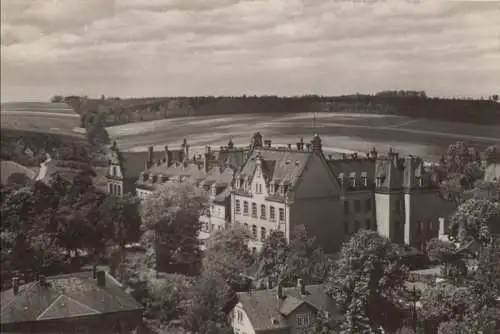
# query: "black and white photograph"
{"type": "Point", "coordinates": [250, 166]}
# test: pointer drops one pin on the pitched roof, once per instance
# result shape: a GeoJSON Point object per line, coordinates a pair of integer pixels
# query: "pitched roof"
{"type": "Point", "coordinates": [354, 167]}
{"type": "Point", "coordinates": [8, 168]}
{"type": "Point", "coordinates": [65, 296]}
{"type": "Point", "coordinates": [65, 169]}
{"type": "Point", "coordinates": [219, 175]}
{"type": "Point", "coordinates": [263, 306]}
{"type": "Point", "coordinates": [133, 163]}
{"type": "Point", "coordinates": [279, 165]}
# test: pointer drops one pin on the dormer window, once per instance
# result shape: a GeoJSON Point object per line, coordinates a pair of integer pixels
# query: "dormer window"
{"type": "Point", "coordinates": [378, 182]}
{"type": "Point", "coordinates": [341, 179]}
{"type": "Point", "coordinates": [214, 190]}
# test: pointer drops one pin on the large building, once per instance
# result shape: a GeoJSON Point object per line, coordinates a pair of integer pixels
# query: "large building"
{"type": "Point", "coordinates": [279, 188]}
{"type": "Point", "coordinates": [262, 187]}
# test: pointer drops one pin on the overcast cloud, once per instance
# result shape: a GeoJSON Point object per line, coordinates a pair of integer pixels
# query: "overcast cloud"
{"type": "Point", "coordinates": [231, 47]}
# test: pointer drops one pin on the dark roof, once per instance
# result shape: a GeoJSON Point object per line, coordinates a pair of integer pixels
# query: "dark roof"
{"type": "Point", "coordinates": [354, 167]}
{"type": "Point", "coordinates": [134, 163]}
{"type": "Point", "coordinates": [65, 296]}
{"type": "Point", "coordinates": [263, 306]}
{"type": "Point", "coordinates": [219, 175]}
{"type": "Point", "coordinates": [233, 157]}
{"type": "Point", "coordinates": [282, 166]}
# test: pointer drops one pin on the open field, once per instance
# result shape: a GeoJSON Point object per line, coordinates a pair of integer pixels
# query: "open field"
{"type": "Point", "coordinates": [340, 132]}
{"type": "Point", "coordinates": [56, 118]}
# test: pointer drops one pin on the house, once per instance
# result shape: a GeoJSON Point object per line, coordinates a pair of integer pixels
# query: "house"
{"type": "Point", "coordinates": [66, 170]}
{"type": "Point", "coordinates": [278, 188]}
{"type": "Point", "coordinates": [125, 167]}
{"type": "Point", "coordinates": [14, 173]}
{"type": "Point", "coordinates": [84, 302]}
{"type": "Point", "coordinates": [281, 310]}
{"type": "Point", "coordinates": [492, 172]}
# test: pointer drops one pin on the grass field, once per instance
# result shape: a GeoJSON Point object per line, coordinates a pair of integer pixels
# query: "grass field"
{"type": "Point", "coordinates": [340, 132]}
{"type": "Point", "coordinates": [56, 118]}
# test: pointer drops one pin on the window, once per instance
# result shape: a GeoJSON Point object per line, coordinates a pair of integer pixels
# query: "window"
{"type": "Point", "coordinates": [364, 181]}
{"type": "Point", "coordinates": [263, 211]}
{"type": "Point", "coordinates": [368, 205]}
{"type": "Point", "coordinates": [346, 227]}
{"type": "Point", "coordinates": [282, 214]}
{"type": "Point", "coordinates": [357, 205]}
{"type": "Point", "coordinates": [245, 207]}
{"type": "Point", "coordinates": [346, 207]}
{"type": "Point", "coordinates": [212, 228]}
{"type": "Point", "coordinates": [254, 231]}
{"type": "Point", "coordinates": [114, 172]}
{"type": "Point", "coordinates": [272, 213]}
{"type": "Point", "coordinates": [303, 320]}
{"type": "Point", "coordinates": [237, 206]}
{"type": "Point", "coordinates": [378, 182]}
{"type": "Point", "coordinates": [254, 210]}
{"type": "Point", "coordinates": [262, 233]}
{"type": "Point", "coordinates": [356, 226]}
{"type": "Point", "coordinates": [352, 182]}
{"type": "Point", "coordinates": [258, 188]}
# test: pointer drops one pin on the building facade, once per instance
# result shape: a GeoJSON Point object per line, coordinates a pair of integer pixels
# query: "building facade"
{"type": "Point", "coordinates": [278, 188]}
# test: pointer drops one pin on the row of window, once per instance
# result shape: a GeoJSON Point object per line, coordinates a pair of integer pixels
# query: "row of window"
{"type": "Point", "coordinates": [263, 211]}
{"type": "Point", "coordinates": [357, 206]}
{"type": "Point", "coordinates": [254, 232]}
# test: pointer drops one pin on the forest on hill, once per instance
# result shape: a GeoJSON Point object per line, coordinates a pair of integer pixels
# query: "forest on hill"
{"type": "Point", "coordinates": [115, 111]}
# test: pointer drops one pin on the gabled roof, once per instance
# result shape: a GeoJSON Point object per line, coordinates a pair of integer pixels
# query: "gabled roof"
{"type": "Point", "coordinates": [65, 296]}
{"type": "Point", "coordinates": [263, 306]}
{"type": "Point", "coordinates": [8, 168]}
{"type": "Point", "coordinates": [283, 166]}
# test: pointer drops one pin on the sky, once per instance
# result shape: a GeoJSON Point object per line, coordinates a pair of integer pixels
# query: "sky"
{"type": "Point", "coordinates": [233, 47]}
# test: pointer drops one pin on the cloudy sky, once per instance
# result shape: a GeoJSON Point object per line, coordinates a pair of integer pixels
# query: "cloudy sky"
{"type": "Point", "coordinates": [233, 47]}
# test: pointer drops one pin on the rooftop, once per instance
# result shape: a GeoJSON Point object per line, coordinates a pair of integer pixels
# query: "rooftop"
{"type": "Point", "coordinates": [65, 296]}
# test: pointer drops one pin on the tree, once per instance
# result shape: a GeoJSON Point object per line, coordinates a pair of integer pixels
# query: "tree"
{"type": "Point", "coordinates": [272, 258]}
{"type": "Point", "coordinates": [305, 259]}
{"type": "Point", "coordinates": [476, 219]}
{"type": "Point", "coordinates": [229, 256]}
{"type": "Point", "coordinates": [170, 220]}
{"type": "Point", "coordinates": [446, 253]}
{"type": "Point", "coordinates": [492, 155]}
{"type": "Point", "coordinates": [367, 284]}
{"type": "Point", "coordinates": [210, 299]}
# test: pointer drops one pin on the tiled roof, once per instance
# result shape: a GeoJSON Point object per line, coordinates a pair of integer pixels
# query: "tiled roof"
{"type": "Point", "coordinates": [65, 296]}
{"type": "Point", "coordinates": [234, 157]}
{"type": "Point", "coordinates": [7, 168]}
{"type": "Point", "coordinates": [262, 306]}
{"type": "Point", "coordinates": [219, 175]}
{"type": "Point", "coordinates": [283, 166]}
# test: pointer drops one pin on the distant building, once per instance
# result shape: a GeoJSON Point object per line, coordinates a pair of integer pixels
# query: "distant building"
{"type": "Point", "coordinates": [281, 310]}
{"type": "Point", "coordinates": [85, 302]}
{"type": "Point", "coordinates": [492, 172]}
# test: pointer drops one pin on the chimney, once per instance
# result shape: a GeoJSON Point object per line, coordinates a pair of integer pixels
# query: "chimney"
{"type": "Point", "coordinates": [308, 146]}
{"type": "Point", "coordinates": [298, 146]}
{"type": "Point", "coordinates": [441, 227]}
{"type": "Point", "coordinates": [167, 156]}
{"type": "Point", "coordinates": [330, 156]}
{"type": "Point", "coordinates": [289, 147]}
{"type": "Point", "coordinates": [15, 285]}
{"type": "Point", "coordinates": [101, 278]}
{"type": "Point", "coordinates": [150, 154]}
{"type": "Point", "coordinates": [94, 271]}
{"type": "Point", "coordinates": [301, 287]}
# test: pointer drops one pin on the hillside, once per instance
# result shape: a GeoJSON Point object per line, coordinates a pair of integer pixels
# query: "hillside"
{"type": "Point", "coordinates": [115, 112]}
